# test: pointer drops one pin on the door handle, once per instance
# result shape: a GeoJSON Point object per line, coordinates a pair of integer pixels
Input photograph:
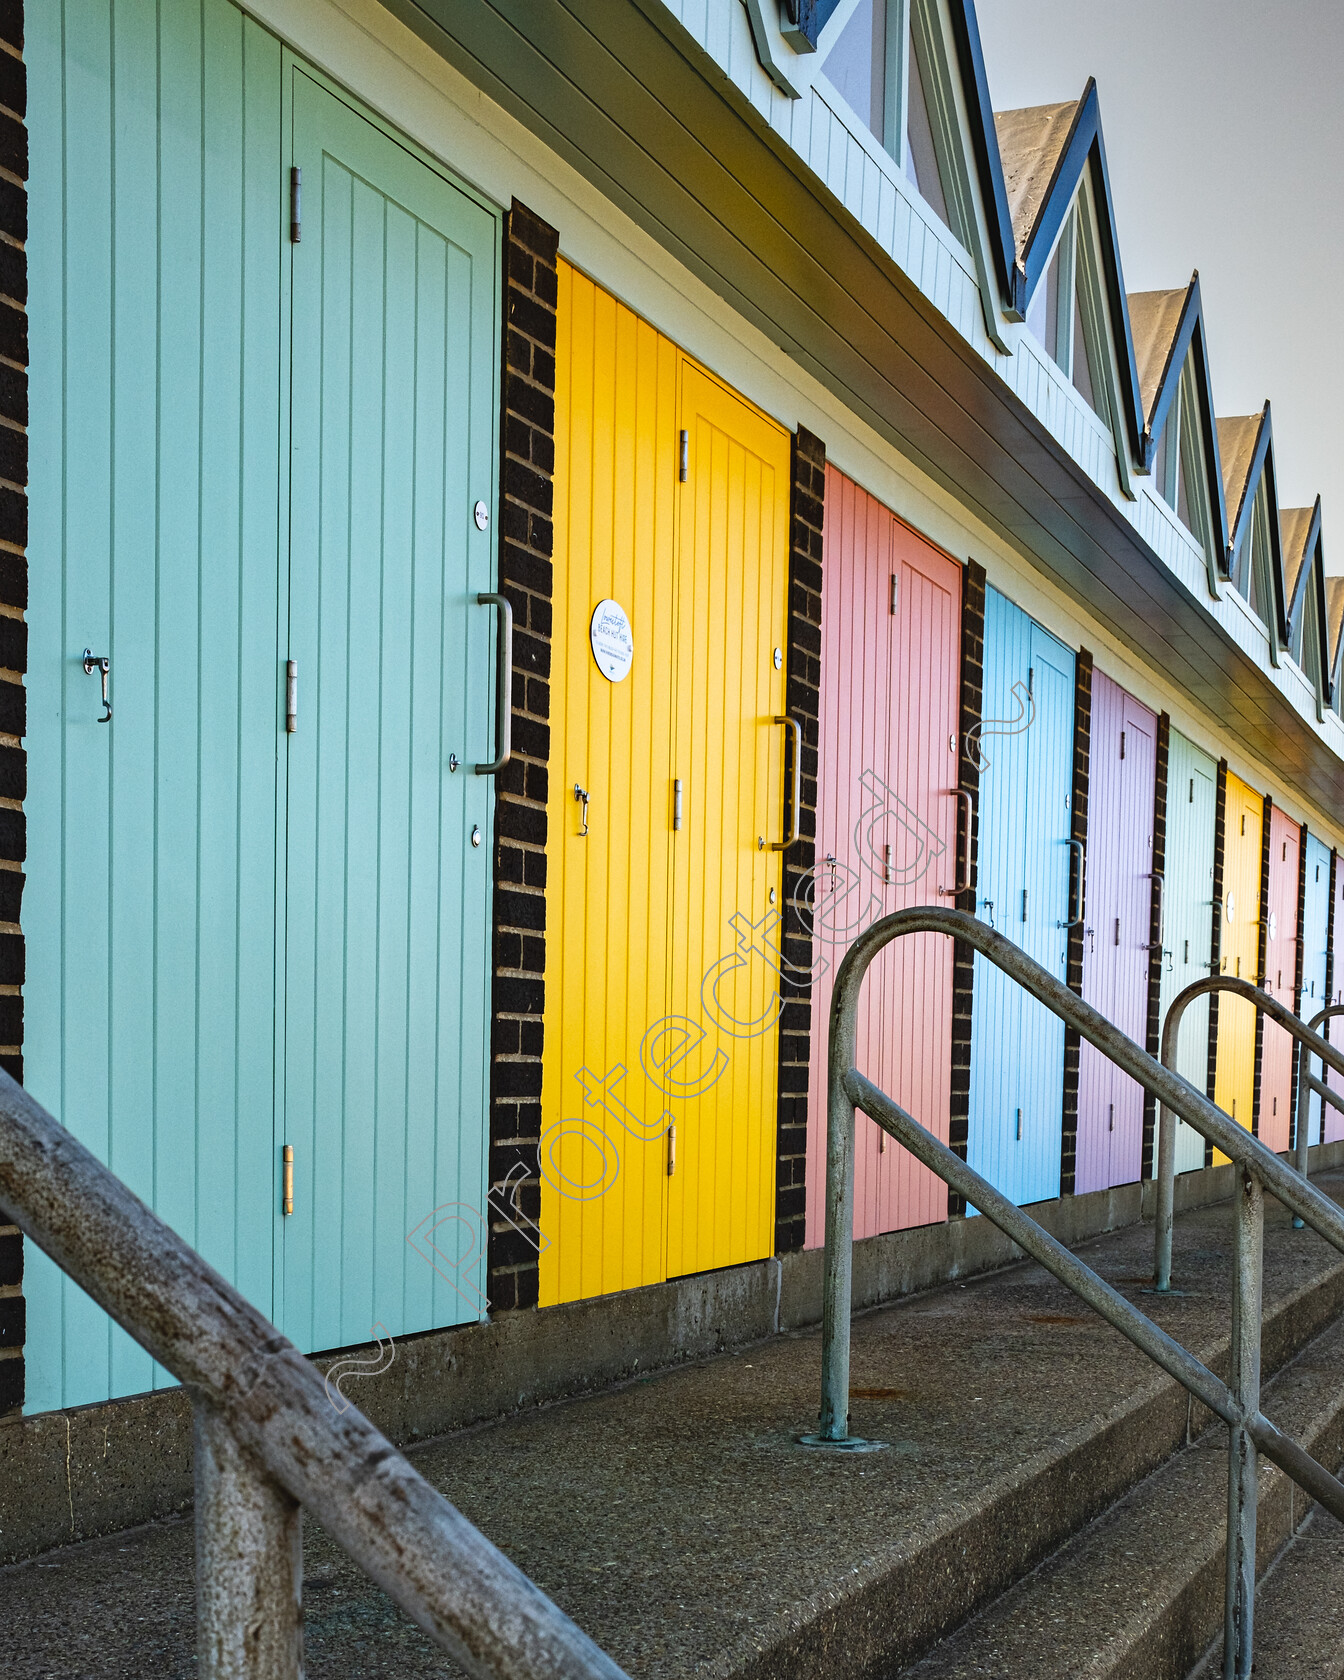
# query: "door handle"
{"type": "Point", "coordinates": [797, 800]}
{"type": "Point", "coordinates": [1160, 879]}
{"type": "Point", "coordinates": [581, 795]}
{"type": "Point", "coordinates": [1077, 908]}
{"type": "Point", "coordinates": [963, 882]}
{"type": "Point", "coordinates": [503, 735]}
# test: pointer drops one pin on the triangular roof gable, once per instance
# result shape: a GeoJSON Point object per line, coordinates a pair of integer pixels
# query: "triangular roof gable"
{"type": "Point", "coordinates": [1246, 444]}
{"type": "Point", "coordinates": [1044, 152]}
{"type": "Point", "coordinates": [1334, 630]}
{"type": "Point", "coordinates": [1304, 578]}
{"type": "Point", "coordinates": [1168, 327]}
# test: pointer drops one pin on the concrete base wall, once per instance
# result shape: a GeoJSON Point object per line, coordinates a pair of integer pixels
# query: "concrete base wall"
{"type": "Point", "coordinates": [67, 1476]}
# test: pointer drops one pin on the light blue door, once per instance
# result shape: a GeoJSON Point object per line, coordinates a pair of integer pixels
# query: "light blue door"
{"type": "Point", "coordinates": [1315, 925]}
{"type": "Point", "coordinates": [155, 278]}
{"type": "Point", "coordinates": [1187, 916]}
{"type": "Point", "coordinates": [385, 1089]}
{"type": "Point", "coordinates": [1017, 1046]}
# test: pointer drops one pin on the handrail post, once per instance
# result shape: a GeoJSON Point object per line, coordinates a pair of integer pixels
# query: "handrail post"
{"type": "Point", "coordinates": [249, 1562]}
{"type": "Point", "coordinates": [838, 1284]}
{"type": "Point", "coordinates": [1248, 1238]}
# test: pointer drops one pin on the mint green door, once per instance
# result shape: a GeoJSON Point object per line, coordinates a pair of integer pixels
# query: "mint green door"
{"type": "Point", "coordinates": [155, 245]}
{"type": "Point", "coordinates": [387, 895]}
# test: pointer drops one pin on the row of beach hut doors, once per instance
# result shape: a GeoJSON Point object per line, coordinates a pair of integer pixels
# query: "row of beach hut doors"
{"type": "Point", "coordinates": [241, 937]}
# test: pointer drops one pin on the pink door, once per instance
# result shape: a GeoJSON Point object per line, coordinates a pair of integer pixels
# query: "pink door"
{"type": "Point", "coordinates": [1116, 929]}
{"type": "Point", "coordinates": [1333, 1119]}
{"type": "Point", "coordinates": [1280, 947]}
{"type": "Point", "coordinates": [886, 837]}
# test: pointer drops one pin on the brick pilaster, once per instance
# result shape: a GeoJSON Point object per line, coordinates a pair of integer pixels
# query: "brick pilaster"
{"type": "Point", "coordinates": [806, 523]}
{"type": "Point", "coordinates": [1156, 956]}
{"type": "Point", "coordinates": [526, 539]}
{"type": "Point", "coordinates": [1216, 941]}
{"type": "Point", "coordinates": [968, 853]}
{"type": "Point", "coordinates": [1262, 949]}
{"type": "Point", "coordinates": [1082, 772]}
{"type": "Point", "coordinates": [13, 630]}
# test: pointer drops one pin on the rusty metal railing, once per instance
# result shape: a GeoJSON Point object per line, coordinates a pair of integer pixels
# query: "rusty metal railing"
{"type": "Point", "coordinates": [269, 1444]}
{"type": "Point", "coordinates": [1236, 1402]}
{"type": "Point", "coordinates": [1303, 1035]}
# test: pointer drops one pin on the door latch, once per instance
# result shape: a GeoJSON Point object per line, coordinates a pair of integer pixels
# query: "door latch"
{"type": "Point", "coordinates": [103, 665]}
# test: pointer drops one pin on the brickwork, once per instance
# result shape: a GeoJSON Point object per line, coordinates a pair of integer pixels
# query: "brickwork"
{"type": "Point", "coordinates": [13, 629]}
{"type": "Point", "coordinates": [1262, 945]}
{"type": "Point", "coordinates": [526, 539]}
{"type": "Point", "coordinates": [1216, 941]}
{"type": "Point", "coordinates": [806, 549]}
{"type": "Point", "coordinates": [968, 851]}
{"type": "Point", "coordinates": [1156, 957]}
{"type": "Point", "coordinates": [1082, 770]}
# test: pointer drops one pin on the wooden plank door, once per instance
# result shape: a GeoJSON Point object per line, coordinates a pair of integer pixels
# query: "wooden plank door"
{"type": "Point", "coordinates": [607, 1037]}
{"type": "Point", "coordinates": [154, 255]}
{"type": "Point", "coordinates": [886, 816]}
{"type": "Point", "coordinates": [1280, 933]}
{"type": "Point", "coordinates": [395, 358]}
{"type": "Point", "coordinates": [1017, 1046]}
{"type": "Point", "coordinates": [732, 601]}
{"type": "Point", "coordinates": [1234, 1081]}
{"type": "Point", "coordinates": [1333, 1118]}
{"type": "Point", "coordinates": [1315, 951]}
{"type": "Point", "coordinates": [1117, 929]}
{"type": "Point", "coordinates": [1192, 804]}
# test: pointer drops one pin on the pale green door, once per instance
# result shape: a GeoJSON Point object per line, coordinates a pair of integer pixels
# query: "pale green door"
{"type": "Point", "coordinates": [385, 1090]}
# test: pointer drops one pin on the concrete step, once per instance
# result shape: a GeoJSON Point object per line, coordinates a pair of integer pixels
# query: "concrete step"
{"type": "Point", "coordinates": [1139, 1593]}
{"type": "Point", "coordinates": [677, 1519]}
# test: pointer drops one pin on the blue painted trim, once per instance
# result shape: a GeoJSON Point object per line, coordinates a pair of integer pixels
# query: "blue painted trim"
{"type": "Point", "coordinates": [1262, 463]}
{"type": "Point", "coordinates": [1313, 578]}
{"type": "Point", "coordinates": [1085, 148]}
{"type": "Point", "coordinates": [1190, 332]}
{"type": "Point", "coordinates": [985, 142]}
{"type": "Point", "coordinates": [804, 20]}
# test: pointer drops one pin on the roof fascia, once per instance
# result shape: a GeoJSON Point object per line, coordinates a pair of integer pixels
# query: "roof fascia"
{"type": "Point", "coordinates": [1170, 383]}
{"type": "Point", "coordinates": [1085, 148]}
{"type": "Point", "coordinates": [985, 143]}
{"type": "Point", "coordinates": [1275, 538]}
{"type": "Point", "coordinates": [1246, 512]}
{"type": "Point", "coordinates": [1213, 461]}
{"type": "Point", "coordinates": [1318, 590]}
{"type": "Point", "coordinates": [1309, 548]}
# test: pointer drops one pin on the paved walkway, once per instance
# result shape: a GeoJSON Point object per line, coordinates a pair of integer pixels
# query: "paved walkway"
{"type": "Point", "coordinates": [679, 1522]}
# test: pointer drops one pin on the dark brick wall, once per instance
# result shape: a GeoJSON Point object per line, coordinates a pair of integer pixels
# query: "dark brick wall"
{"type": "Point", "coordinates": [1216, 943]}
{"type": "Point", "coordinates": [1262, 947]}
{"type": "Point", "coordinates": [1156, 956]}
{"type": "Point", "coordinates": [968, 851]}
{"type": "Point", "coordinates": [806, 520]}
{"type": "Point", "coordinates": [13, 629]}
{"type": "Point", "coordinates": [527, 466]}
{"type": "Point", "coordinates": [1082, 770]}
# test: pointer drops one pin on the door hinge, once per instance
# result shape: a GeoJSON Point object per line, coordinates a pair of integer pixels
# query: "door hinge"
{"type": "Point", "coordinates": [295, 205]}
{"type": "Point", "coordinates": [287, 1203]}
{"type": "Point", "coordinates": [683, 457]}
{"type": "Point", "coordinates": [291, 696]}
{"type": "Point", "coordinates": [671, 1149]}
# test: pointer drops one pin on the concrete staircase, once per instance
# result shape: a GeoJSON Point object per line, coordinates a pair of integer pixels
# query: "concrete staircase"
{"type": "Point", "coordinates": [1047, 1503]}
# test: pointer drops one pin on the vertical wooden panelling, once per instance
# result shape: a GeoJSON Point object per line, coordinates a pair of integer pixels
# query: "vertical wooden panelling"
{"type": "Point", "coordinates": [1332, 1123]}
{"type": "Point", "coordinates": [1280, 934]}
{"type": "Point", "coordinates": [732, 579]}
{"type": "Point", "coordinates": [1315, 961]}
{"type": "Point", "coordinates": [1116, 928]}
{"type": "Point", "coordinates": [394, 374]}
{"type": "Point", "coordinates": [604, 1149]}
{"type": "Point", "coordinates": [886, 836]}
{"type": "Point", "coordinates": [155, 245]}
{"type": "Point", "coordinates": [1192, 781]}
{"type": "Point", "coordinates": [1234, 1087]}
{"type": "Point", "coordinates": [1017, 1047]}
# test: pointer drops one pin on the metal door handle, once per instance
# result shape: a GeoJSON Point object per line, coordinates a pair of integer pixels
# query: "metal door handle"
{"type": "Point", "coordinates": [783, 845]}
{"type": "Point", "coordinates": [1161, 939]}
{"type": "Point", "coordinates": [1077, 908]}
{"type": "Point", "coordinates": [581, 794]}
{"type": "Point", "coordinates": [505, 688]}
{"type": "Point", "coordinates": [102, 664]}
{"type": "Point", "coordinates": [963, 882]}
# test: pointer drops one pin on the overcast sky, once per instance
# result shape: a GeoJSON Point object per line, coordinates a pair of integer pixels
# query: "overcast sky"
{"type": "Point", "coordinates": [1224, 126]}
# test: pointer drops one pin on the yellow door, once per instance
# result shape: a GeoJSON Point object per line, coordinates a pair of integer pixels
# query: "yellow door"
{"type": "Point", "coordinates": [732, 591]}
{"type": "Point", "coordinates": [660, 1052]}
{"type": "Point", "coordinates": [1234, 1084]}
{"type": "Point", "coordinates": [604, 1148]}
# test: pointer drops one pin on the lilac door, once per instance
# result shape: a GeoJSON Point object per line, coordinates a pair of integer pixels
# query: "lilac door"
{"type": "Point", "coordinates": [886, 838]}
{"type": "Point", "coordinates": [1116, 929]}
{"type": "Point", "coordinates": [1280, 935]}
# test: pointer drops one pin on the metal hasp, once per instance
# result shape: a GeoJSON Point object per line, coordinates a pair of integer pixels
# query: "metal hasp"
{"type": "Point", "coordinates": [1236, 1402]}
{"type": "Point", "coordinates": [103, 665]}
{"type": "Point", "coordinates": [1166, 1134]}
{"type": "Point", "coordinates": [796, 802]}
{"type": "Point", "coordinates": [269, 1443]}
{"type": "Point", "coordinates": [503, 735]}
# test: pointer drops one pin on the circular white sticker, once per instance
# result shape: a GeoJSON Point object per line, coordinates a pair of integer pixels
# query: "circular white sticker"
{"type": "Point", "coordinates": [613, 645]}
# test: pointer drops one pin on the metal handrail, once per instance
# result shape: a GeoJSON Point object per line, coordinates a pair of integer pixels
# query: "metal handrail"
{"type": "Point", "coordinates": [1166, 1134]}
{"type": "Point", "coordinates": [1323, 1090]}
{"type": "Point", "coordinates": [269, 1444]}
{"type": "Point", "coordinates": [1237, 1403]}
